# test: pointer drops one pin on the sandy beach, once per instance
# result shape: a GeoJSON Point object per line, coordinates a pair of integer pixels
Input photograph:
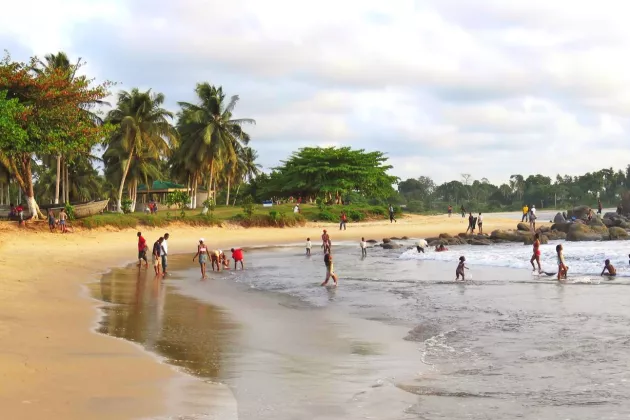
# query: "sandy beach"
{"type": "Point", "coordinates": [54, 366]}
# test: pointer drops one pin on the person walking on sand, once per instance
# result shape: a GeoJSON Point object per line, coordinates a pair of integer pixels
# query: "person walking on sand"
{"type": "Point", "coordinates": [470, 227]}
{"type": "Point", "coordinates": [309, 245]}
{"type": "Point", "coordinates": [450, 210]}
{"type": "Point", "coordinates": [463, 210]}
{"type": "Point", "coordinates": [237, 256]}
{"type": "Point", "coordinates": [164, 253]}
{"type": "Point", "coordinates": [326, 241]}
{"type": "Point", "coordinates": [363, 245]}
{"type": "Point", "coordinates": [562, 268]}
{"type": "Point", "coordinates": [343, 219]}
{"type": "Point", "coordinates": [392, 217]}
{"type": "Point", "coordinates": [330, 272]}
{"type": "Point", "coordinates": [461, 266]}
{"type": "Point", "coordinates": [525, 213]}
{"type": "Point", "coordinates": [157, 255]}
{"type": "Point", "coordinates": [599, 206]}
{"type": "Point", "coordinates": [63, 217]}
{"type": "Point", "coordinates": [532, 218]}
{"type": "Point", "coordinates": [203, 254]}
{"type": "Point", "coordinates": [142, 250]}
{"type": "Point", "coordinates": [480, 223]}
{"type": "Point", "coordinates": [536, 253]}
{"type": "Point", "coordinates": [51, 221]}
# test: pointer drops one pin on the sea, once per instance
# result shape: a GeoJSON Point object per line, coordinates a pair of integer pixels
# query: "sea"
{"type": "Point", "coordinates": [398, 338]}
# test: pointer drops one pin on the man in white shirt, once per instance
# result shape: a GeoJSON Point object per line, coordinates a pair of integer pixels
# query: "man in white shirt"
{"type": "Point", "coordinates": [532, 218]}
{"type": "Point", "coordinates": [164, 253]}
{"type": "Point", "coordinates": [363, 248]}
{"type": "Point", "coordinates": [421, 244]}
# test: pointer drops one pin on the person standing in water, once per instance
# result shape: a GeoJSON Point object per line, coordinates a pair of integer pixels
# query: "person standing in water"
{"type": "Point", "coordinates": [460, 269]}
{"type": "Point", "coordinates": [309, 245]}
{"type": "Point", "coordinates": [562, 268]}
{"type": "Point", "coordinates": [363, 245]}
{"type": "Point", "coordinates": [237, 256]}
{"type": "Point", "coordinates": [330, 272]}
{"type": "Point", "coordinates": [142, 250]}
{"type": "Point", "coordinates": [157, 255]}
{"type": "Point", "coordinates": [536, 253]}
{"type": "Point", "coordinates": [215, 259]}
{"type": "Point", "coordinates": [326, 241]}
{"type": "Point", "coordinates": [610, 268]}
{"type": "Point", "coordinates": [203, 254]}
{"type": "Point", "coordinates": [164, 253]}
{"type": "Point", "coordinates": [421, 245]}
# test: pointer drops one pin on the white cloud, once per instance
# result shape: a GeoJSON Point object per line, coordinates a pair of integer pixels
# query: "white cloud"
{"type": "Point", "coordinates": [488, 87]}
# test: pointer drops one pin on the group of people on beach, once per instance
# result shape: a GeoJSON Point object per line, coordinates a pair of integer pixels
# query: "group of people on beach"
{"type": "Point", "coordinates": [159, 256]}
{"type": "Point", "coordinates": [62, 222]}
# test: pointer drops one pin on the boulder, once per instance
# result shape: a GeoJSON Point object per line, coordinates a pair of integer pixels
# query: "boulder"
{"type": "Point", "coordinates": [616, 233]}
{"type": "Point", "coordinates": [445, 236]}
{"type": "Point", "coordinates": [529, 240]}
{"type": "Point", "coordinates": [595, 221]}
{"type": "Point", "coordinates": [462, 235]}
{"type": "Point", "coordinates": [611, 215]}
{"type": "Point", "coordinates": [405, 238]}
{"type": "Point", "coordinates": [544, 229]}
{"type": "Point", "coordinates": [394, 238]}
{"type": "Point", "coordinates": [624, 225]}
{"type": "Point", "coordinates": [555, 235]}
{"type": "Point", "coordinates": [371, 241]}
{"type": "Point", "coordinates": [386, 240]}
{"type": "Point", "coordinates": [431, 239]}
{"type": "Point", "coordinates": [484, 241]}
{"type": "Point", "coordinates": [559, 218]}
{"type": "Point", "coordinates": [562, 227]}
{"type": "Point", "coordinates": [391, 245]}
{"type": "Point", "coordinates": [610, 222]}
{"type": "Point", "coordinates": [579, 212]}
{"type": "Point", "coordinates": [523, 227]}
{"type": "Point", "coordinates": [509, 235]}
{"type": "Point", "coordinates": [581, 232]}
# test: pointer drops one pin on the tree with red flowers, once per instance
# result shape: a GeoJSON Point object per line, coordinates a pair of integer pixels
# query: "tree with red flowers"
{"type": "Point", "coordinates": [54, 118]}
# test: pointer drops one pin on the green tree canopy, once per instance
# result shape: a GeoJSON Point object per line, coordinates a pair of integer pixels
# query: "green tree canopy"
{"type": "Point", "coordinates": [332, 171]}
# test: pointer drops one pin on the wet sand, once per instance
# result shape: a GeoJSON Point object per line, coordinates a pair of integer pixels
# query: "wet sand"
{"type": "Point", "coordinates": [55, 367]}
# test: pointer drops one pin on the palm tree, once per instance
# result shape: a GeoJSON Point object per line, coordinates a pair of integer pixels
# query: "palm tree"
{"type": "Point", "coordinates": [210, 136]}
{"type": "Point", "coordinates": [248, 169]}
{"type": "Point", "coordinates": [142, 125]}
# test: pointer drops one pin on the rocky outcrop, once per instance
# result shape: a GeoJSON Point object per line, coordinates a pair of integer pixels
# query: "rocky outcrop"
{"type": "Point", "coordinates": [582, 232]}
{"type": "Point", "coordinates": [391, 245]}
{"type": "Point", "coordinates": [529, 240]}
{"type": "Point", "coordinates": [617, 233]}
{"type": "Point", "coordinates": [523, 227]}
{"type": "Point", "coordinates": [579, 212]}
{"type": "Point", "coordinates": [561, 227]}
{"type": "Point", "coordinates": [386, 240]}
{"type": "Point", "coordinates": [559, 218]}
{"type": "Point", "coordinates": [371, 241]}
{"type": "Point", "coordinates": [445, 236]}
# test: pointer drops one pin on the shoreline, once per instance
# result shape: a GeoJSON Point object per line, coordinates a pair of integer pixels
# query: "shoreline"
{"type": "Point", "coordinates": [48, 336]}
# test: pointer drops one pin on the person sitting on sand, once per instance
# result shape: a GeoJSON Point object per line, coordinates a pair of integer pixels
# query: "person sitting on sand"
{"type": "Point", "coordinates": [157, 255]}
{"type": "Point", "coordinates": [610, 268]}
{"type": "Point", "coordinates": [460, 269]}
{"type": "Point", "coordinates": [142, 250]}
{"type": "Point", "coordinates": [421, 245]}
{"type": "Point", "coordinates": [309, 245]}
{"type": "Point", "coordinates": [330, 272]}
{"type": "Point", "coordinates": [363, 246]}
{"type": "Point", "coordinates": [203, 254]}
{"type": "Point", "coordinates": [536, 253]}
{"type": "Point", "coordinates": [562, 268]}
{"type": "Point", "coordinates": [237, 256]}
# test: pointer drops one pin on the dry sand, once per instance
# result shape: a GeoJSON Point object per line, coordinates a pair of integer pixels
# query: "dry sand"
{"type": "Point", "coordinates": [53, 366]}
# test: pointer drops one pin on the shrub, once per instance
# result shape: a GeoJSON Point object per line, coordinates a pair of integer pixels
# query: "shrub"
{"type": "Point", "coordinates": [355, 215]}
{"type": "Point", "coordinates": [248, 206]}
{"type": "Point", "coordinates": [327, 216]}
{"type": "Point", "coordinates": [69, 211]}
{"type": "Point", "coordinates": [126, 205]}
{"type": "Point", "coordinates": [415, 206]}
{"type": "Point", "coordinates": [209, 204]}
{"type": "Point", "coordinates": [179, 199]}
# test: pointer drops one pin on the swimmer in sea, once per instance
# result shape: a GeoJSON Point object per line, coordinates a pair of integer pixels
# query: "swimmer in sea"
{"type": "Point", "coordinates": [460, 269]}
{"type": "Point", "coordinates": [610, 268]}
{"type": "Point", "coordinates": [562, 268]}
{"type": "Point", "coordinates": [536, 253]}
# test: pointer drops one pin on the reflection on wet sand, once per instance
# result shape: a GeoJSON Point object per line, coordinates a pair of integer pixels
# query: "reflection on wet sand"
{"type": "Point", "coordinates": [190, 334]}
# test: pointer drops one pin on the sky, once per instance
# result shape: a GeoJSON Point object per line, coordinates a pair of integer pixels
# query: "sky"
{"type": "Point", "coordinates": [489, 88]}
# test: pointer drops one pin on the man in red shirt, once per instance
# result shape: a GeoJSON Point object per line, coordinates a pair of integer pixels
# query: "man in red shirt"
{"type": "Point", "coordinates": [142, 250]}
{"type": "Point", "coordinates": [237, 255]}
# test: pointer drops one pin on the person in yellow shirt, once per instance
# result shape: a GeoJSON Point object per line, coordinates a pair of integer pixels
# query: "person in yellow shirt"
{"type": "Point", "coordinates": [525, 212]}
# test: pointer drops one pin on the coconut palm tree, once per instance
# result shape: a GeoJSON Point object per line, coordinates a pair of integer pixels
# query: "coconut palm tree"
{"type": "Point", "coordinates": [248, 169]}
{"type": "Point", "coordinates": [142, 125]}
{"type": "Point", "coordinates": [210, 136]}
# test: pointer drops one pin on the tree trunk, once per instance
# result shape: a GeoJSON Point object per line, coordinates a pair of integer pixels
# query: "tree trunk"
{"type": "Point", "coordinates": [67, 198]}
{"type": "Point", "coordinates": [24, 179]}
{"type": "Point", "coordinates": [227, 197]}
{"type": "Point", "coordinates": [236, 195]}
{"type": "Point", "coordinates": [194, 192]}
{"type": "Point", "coordinates": [58, 179]}
{"type": "Point", "coordinates": [189, 189]}
{"type": "Point", "coordinates": [122, 181]}
{"type": "Point", "coordinates": [134, 194]}
{"type": "Point", "coordinates": [210, 181]}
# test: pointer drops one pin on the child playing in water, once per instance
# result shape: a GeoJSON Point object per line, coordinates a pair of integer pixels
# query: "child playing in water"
{"type": "Point", "coordinates": [309, 245]}
{"type": "Point", "coordinates": [363, 245]}
{"type": "Point", "coordinates": [562, 268]}
{"type": "Point", "coordinates": [609, 267]}
{"type": "Point", "coordinates": [460, 268]}
{"type": "Point", "coordinates": [330, 272]}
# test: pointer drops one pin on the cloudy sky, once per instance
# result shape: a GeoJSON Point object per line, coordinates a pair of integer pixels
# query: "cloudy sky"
{"type": "Point", "coordinates": [444, 87]}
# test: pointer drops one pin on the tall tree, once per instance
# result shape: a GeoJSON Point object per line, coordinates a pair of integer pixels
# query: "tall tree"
{"type": "Point", "coordinates": [141, 125]}
{"type": "Point", "coordinates": [53, 118]}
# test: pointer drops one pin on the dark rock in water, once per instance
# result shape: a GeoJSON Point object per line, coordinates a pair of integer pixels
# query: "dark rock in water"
{"type": "Point", "coordinates": [624, 225]}
{"type": "Point", "coordinates": [582, 232]}
{"type": "Point", "coordinates": [529, 240]}
{"type": "Point", "coordinates": [611, 215]}
{"type": "Point", "coordinates": [371, 241]}
{"type": "Point", "coordinates": [562, 227]}
{"type": "Point", "coordinates": [483, 241]}
{"type": "Point", "coordinates": [431, 239]}
{"type": "Point", "coordinates": [543, 229]}
{"type": "Point", "coordinates": [423, 332]}
{"type": "Point", "coordinates": [462, 235]}
{"type": "Point", "coordinates": [523, 227]}
{"type": "Point", "coordinates": [595, 221]}
{"type": "Point", "coordinates": [445, 236]}
{"type": "Point", "coordinates": [554, 235]}
{"type": "Point", "coordinates": [405, 238]}
{"type": "Point", "coordinates": [394, 238]}
{"type": "Point", "coordinates": [559, 218]}
{"type": "Point", "coordinates": [391, 245]}
{"type": "Point", "coordinates": [610, 222]}
{"type": "Point", "coordinates": [386, 240]}
{"type": "Point", "coordinates": [509, 235]}
{"type": "Point", "coordinates": [579, 212]}
{"type": "Point", "coordinates": [616, 233]}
